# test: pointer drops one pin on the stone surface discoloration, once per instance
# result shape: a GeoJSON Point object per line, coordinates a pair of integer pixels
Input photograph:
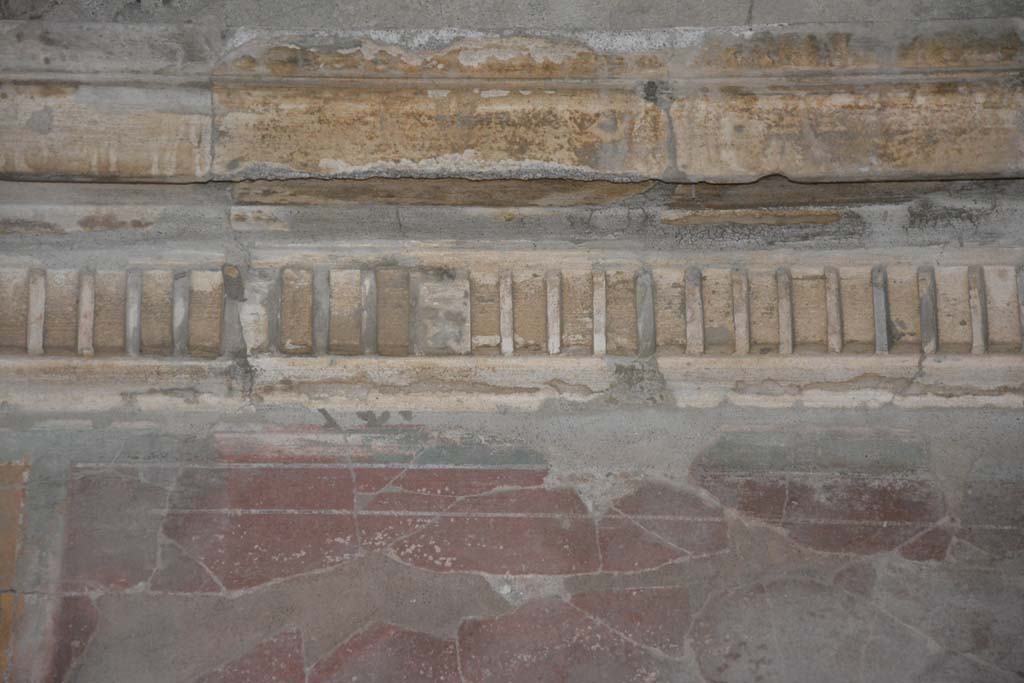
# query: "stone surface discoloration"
{"type": "Point", "coordinates": [441, 313]}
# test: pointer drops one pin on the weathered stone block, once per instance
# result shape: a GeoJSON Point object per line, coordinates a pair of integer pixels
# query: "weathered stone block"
{"type": "Point", "coordinates": [296, 310]}
{"type": "Point", "coordinates": [441, 313]}
{"type": "Point", "coordinates": [156, 312]}
{"type": "Point", "coordinates": [13, 309]}
{"type": "Point", "coordinates": [669, 310]}
{"type": "Point", "coordinates": [809, 318]}
{"type": "Point", "coordinates": [577, 311]}
{"type": "Point", "coordinates": [69, 130]}
{"type": "Point", "coordinates": [345, 333]}
{"type": "Point", "coordinates": [205, 310]}
{"type": "Point", "coordinates": [393, 311]}
{"type": "Point", "coordinates": [621, 322]}
{"type": "Point", "coordinates": [485, 322]}
{"type": "Point", "coordinates": [529, 312]}
{"type": "Point", "coordinates": [850, 132]}
{"type": "Point", "coordinates": [719, 324]}
{"type": "Point", "coordinates": [363, 130]}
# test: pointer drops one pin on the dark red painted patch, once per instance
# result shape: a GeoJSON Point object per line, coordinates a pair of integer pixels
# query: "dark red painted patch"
{"type": "Point", "coordinates": [110, 532]}
{"type": "Point", "coordinates": [862, 539]}
{"type": "Point", "coordinates": [760, 496]}
{"type": "Point", "coordinates": [377, 532]}
{"type": "Point", "coordinates": [466, 481]}
{"type": "Point", "coordinates": [178, 573]}
{"type": "Point", "coordinates": [626, 547]}
{"type": "Point", "coordinates": [247, 549]}
{"type": "Point", "coordinates": [931, 545]}
{"type": "Point", "coordinates": [546, 501]}
{"type": "Point", "coordinates": [503, 544]}
{"type": "Point", "coordinates": [278, 660]}
{"type": "Point", "coordinates": [406, 501]}
{"type": "Point", "coordinates": [256, 488]}
{"type": "Point", "coordinates": [388, 653]}
{"type": "Point", "coordinates": [656, 617]}
{"type": "Point", "coordinates": [73, 627]}
{"type": "Point", "coordinates": [548, 640]}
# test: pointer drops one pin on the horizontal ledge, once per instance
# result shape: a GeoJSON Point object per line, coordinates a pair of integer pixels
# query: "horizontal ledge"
{"type": "Point", "coordinates": [814, 103]}
{"type": "Point", "coordinates": [498, 383]}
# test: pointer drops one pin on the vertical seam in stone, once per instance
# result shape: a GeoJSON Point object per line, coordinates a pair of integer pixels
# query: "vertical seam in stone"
{"type": "Point", "coordinates": [600, 313]}
{"type": "Point", "coordinates": [368, 311]}
{"type": "Point", "coordinates": [86, 310]}
{"type": "Point", "coordinates": [833, 310]}
{"type": "Point", "coordinates": [36, 311]}
{"type": "Point", "coordinates": [979, 309]}
{"type": "Point", "coordinates": [784, 284]}
{"type": "Point", "coordinates": [321, 309]}
{"type": "Point", "coordinates": [181, 298]}
{"type": "Point", "coordinates": [926, 292]}
{"type": "Point", "coordinates": [274, 295]}
{"type": "Point", "coordinates": [741, 310]}
{"type": "Point", "coordinates": [1020, 303]}
{"type": "Point", "coordinates": [133, 312]}
{"type": "Point", "coordinates": [880, 302]}
{"type": "Point", "coordinates": [505, 314]}
{"type": "Point", "coordinates": [694, 296]}
{"type": "Point", "coordinates": [553, 288]}
{"type": "Point", "coordinates": [646, 334]}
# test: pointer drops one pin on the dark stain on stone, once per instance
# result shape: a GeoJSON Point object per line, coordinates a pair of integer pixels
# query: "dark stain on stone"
{"type": "Point", "coordinates": [15, 226]}
{"type": "Point", "coordinates": [109, 221]}
{"type": "Point", "coordinates": [372, 419]}
{"type": "Point", "coordinates": [40, 121]}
